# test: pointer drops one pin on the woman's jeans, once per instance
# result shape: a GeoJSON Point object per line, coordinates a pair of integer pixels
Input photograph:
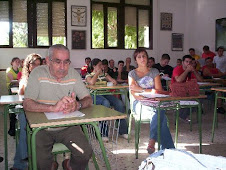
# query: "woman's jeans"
{"type": "Point", "coordinates": [151, 113]}
{"type": "Point", "coordinates": [110, 100]}
{"type": "Point", "coordinates": [21, 150]}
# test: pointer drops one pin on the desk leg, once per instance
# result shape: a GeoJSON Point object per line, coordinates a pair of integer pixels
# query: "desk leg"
{"type": "Point", "coordinates": [6, 113]}
{"type": "Point", "coordinates": [177, 118]}
{"type": "Point", "coordinates": [33, 148]}
{"type": "Point", "coordinates": [214, 115]}
{"type": "Point", "coordinates": [200, 126]}
{"type": "Point", "coordinates": [94, 124]}
{"type": "Point", "coordinates": [84, 128]}
{"type": "Point", "coordinates": [29, 147]}
{"type": "Point", "coordinates": [95, 97]}
{"type": "Point", "coordinates": [159, 130]}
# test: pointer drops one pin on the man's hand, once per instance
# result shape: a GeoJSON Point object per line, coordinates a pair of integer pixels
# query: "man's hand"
{"type": "Point", "coordinates": [190, 68]}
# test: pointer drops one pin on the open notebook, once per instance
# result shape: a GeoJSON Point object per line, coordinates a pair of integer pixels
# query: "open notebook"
{"type": "Point", "coordinates": [149, 95]}
{"type": "Point", "coordinates": [61, 115]}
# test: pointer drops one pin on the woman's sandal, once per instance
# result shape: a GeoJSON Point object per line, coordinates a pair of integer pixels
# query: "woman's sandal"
{"type": "Point", "coordinates": [150, 149]}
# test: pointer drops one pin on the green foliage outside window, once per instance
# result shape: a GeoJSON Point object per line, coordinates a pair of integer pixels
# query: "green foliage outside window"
{"type": "Point", "coordinates": [97, 29]}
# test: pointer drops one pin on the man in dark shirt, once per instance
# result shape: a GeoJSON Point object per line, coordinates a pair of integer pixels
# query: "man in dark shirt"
{"type": "Point", "coordinates": [165, 70]}
{"type": "Point", "coordinates": [128, 67]}
{"type": "Point", "coordinates": [112, 70]}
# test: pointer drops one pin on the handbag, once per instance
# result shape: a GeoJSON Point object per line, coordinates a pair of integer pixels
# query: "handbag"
{"type": "Point", "coordinates": [185, 89]}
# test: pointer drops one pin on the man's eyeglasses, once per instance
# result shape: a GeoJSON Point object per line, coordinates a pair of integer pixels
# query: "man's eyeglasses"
{"type": "Point", "coordinates": [58, 62]}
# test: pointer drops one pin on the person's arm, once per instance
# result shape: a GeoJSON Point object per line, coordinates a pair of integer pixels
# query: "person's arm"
{"type": "Point", "coordinates": [85, 102]}
{"type": "Point", "coordinates": [109, 78]}
{"type": "Point", "coordinates": [198, 76]}
{"type": "Point", "coordinates": [10, 76]}
{"type": "Point", "coordinates": [135, 88]}
{"type": "Point", "coordinates": [183, 76]}
{"type": "Point", "coordinates": [206, 72]}
{"type": "Point", "coordinates": [93, 80]}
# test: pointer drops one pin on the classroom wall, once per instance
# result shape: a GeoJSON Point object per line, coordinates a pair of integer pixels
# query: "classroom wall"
{"type": "Point", "coordinates": [194, 18]}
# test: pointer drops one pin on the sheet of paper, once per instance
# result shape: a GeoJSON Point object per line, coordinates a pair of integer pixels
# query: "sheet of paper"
{"type": "Point", "coordinates": [61, 115]}
{"type": "Point", "coordinates": [200, 83]}
{"type": "Point", "coordinates": [165, 78]}
{"type": "Point", "coordinates": [149, 95]}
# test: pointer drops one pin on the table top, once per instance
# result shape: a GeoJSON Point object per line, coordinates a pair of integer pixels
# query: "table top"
{"type": "Point", "coordinates": [101, 87]}
{"type": "Point", "coordinates": [92, 114]}
{"type": "Point", "coordinates": [12, 99]}
{"type": "Point", "coordinates": [205, 84]}
{"type": "Point", "coordinates": [170, 98]}
{"type": "Point", "coordinates": [222, 89]}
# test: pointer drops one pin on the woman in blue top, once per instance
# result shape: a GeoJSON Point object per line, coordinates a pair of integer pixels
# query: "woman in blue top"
{"type": "Point", "coordinates": [145, 79]}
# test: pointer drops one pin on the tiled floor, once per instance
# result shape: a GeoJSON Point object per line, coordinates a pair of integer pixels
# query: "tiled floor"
{"type": "Point", "coordinates": [187, 140]}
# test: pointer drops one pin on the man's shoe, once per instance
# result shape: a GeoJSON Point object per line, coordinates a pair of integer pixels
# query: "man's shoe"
{"type": "Point", "coordinates": [11, 132]}
{"type": "Point", "coordinates": [125, 136]}
{"type": "Point", "coordinates": [220, 110]}
{"type": "Point", "coordinates": [105, 139]}
{"type": "Point", "coordinates": [66, 164]}
{"type": "Point", "coordinates": [1, 159]}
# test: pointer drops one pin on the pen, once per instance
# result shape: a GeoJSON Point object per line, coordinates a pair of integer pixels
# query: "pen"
{"type": "Point", "coordinates": [69, 93]}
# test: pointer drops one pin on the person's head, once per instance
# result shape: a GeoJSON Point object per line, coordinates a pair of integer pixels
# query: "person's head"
{"type": "Point", "coordinates": [192, 51]}
{"type": "Point", "coordinates": [220, 51]}
{"type": "Point", "coordinates": [209, 62]}
{"type": "Point", "coordinates": [105, 65]}
{"type": "Point", "coordinates": [15, 63]}
{"type": "Point", "coordinates": [140, 55]}
{"type": "Point", "coordinates": [87, 60]}
{"type": "Point", "coordinates": [31, 61]}
{"type": "Point", "coordinates": [120, 63]}
{"type": "Point", "coordinates": [179, 62]}
{"type": "Point", "coordinates": [58, 60]}
{"type": "Point", "coordinates": [186, 60]}
{"type": "Point", "coordinates": [165, 60]}
{"type": "Point", "coordinates": [193, 63]}
{"type": "Point", "coordinates": [43, 61]}
{"type": "Point", "coordinates": [128, 60]}
{"type": "Point", "coordinates": [96, 64]}
{"type": "Point", "coordinates": [206, 49]}
{"type": "Point", "coordinates": [22, 63]}
{"type": "Point", "coordinates": [151, 62]}
{"type": "Point", "coordinates": [111, 63]}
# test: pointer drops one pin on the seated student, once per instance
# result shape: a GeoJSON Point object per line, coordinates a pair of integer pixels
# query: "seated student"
{"type": "Point", "coordinates": [164, 68]}
{"type": "Point", "coordinates": [209, 71]}
{"type": "Point", "coordinates": [145, 79]}
{"type": "Point", "coordinates": [85, 68]}
{"type": "Point", "coordinates": [43, 61]}
{"type": "Point", "coordinates": [183, 73]}
{"type": "Point", "coordinates": [179, 62]}
{"type": "Point", "coordinates": [195, 64]}
{"type": "Point", "coordinates": [128, 67]}
{"type": "Point", "coordinates": [32, 61]}
{"type": "Point", "coordinates": [11, 74]}
{"type": "Point", "coordinates": [112, 70]}
{"type": "Point", "coordinates": [220, 60]}
{"type": "Point", "coordinates": [196, 57]}
{"type": "Point", "coordinates": [207, 53]}
{"type": "Point", "coordinates": [122, 75]}
{"type": "Point", "coordinates": [52, 84]}
{"type": "Point", "coordinates": [151, 62]}
{"type": "Point", "coordinates": [98, 76]}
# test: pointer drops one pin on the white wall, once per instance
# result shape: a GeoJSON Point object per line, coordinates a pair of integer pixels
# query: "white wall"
{"type": "Point", "coordinates": [194, 18]}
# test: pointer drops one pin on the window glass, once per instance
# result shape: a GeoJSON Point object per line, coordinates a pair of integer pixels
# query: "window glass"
{"type": "Point", "coordinates": [58, 23]}
{"type": "Point", "coordinates": [143, 33]}
{"type": "Point", "coordinates": [112, 27]}
{"type": "Point", "coordinates": [97, 26]}
{"type": "Point", "coordinates": [42, 24]}
{"type": "Point", "coordinates": [130, 28]}
{"type": "Point", "coordinates": [138, 2]}
{"type": "Point", "coordinates": [20, 25]}
{"type": "Point", "coordinates": [4, 22]}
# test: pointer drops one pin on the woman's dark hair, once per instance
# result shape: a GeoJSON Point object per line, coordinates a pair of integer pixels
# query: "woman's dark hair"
{"type": "Point", "coordinates": [94, 62]}
{"type": "Point", "coordinates": [14, 59]}
{"type": "Point", "coordinates": [137, 51]}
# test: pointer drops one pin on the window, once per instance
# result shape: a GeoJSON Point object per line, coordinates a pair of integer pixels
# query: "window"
{"type": "Point", "coordinates": [32, 23]}
{"type": "Point", "coordinates": [121, 24]}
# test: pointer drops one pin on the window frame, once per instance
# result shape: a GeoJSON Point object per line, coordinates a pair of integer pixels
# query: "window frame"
{"type": "Point", "coordinates": [121, 23]}
{"type": "Point", "coordinates": [32, 23]}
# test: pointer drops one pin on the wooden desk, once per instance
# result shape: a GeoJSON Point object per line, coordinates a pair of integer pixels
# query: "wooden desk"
{"type": "Point", "coordinates": [6, 101]}
{"type": "Point", "coordinates": [104, 90]}
{"type": "Point", "coordinates": [217, 91]}
{"type": "Point", "coordinates": [208, 84]}
{"type": "Point", "coordinates": [176, 107]}
{"type": "Point", "coordinates": [94, 114]}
